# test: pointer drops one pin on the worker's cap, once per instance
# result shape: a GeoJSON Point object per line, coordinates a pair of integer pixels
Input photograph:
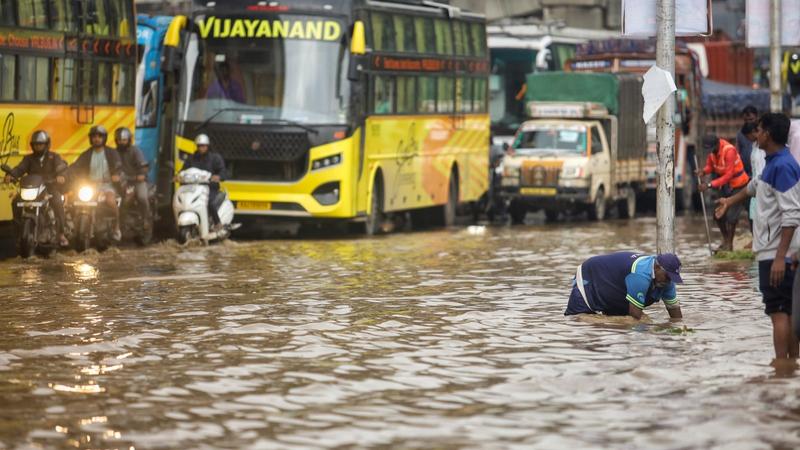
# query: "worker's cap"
{"type": "Point", "coordinates": [710, 142]}
{"type": "Point", "coordinates": [671, 265]}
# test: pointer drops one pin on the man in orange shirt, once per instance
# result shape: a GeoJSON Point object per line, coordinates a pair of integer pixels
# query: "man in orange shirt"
{"type": "Point", "coordinates": [724, 162]}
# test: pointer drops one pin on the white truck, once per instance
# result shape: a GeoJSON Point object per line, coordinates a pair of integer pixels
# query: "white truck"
{"type": "Point", "coordinates": [583, 148]}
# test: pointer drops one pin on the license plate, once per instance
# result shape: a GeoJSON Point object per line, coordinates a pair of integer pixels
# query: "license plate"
{"type": "Point", "coordinates": [538, 191]}
{"type": "Point", "coordinates": [254, 206]}
{"type": "Point", "coordinates": [29, 204]}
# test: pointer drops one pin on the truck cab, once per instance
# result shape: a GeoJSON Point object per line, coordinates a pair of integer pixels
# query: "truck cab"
{"type": "Point", "coordinates": [560, 160]}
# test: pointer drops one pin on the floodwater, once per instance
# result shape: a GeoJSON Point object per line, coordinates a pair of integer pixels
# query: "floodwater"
{"type": "Point", "coordinates": [445, 339]}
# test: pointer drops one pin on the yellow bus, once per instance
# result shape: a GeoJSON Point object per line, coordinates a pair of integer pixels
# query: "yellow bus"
{"type": "Point", "coordinates": [65, 65]}
{"type": "Point", "coordinates": [355, 109]}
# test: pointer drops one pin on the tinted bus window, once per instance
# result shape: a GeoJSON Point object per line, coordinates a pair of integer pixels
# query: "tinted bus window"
{"type": "Point", "coordinates": [458, 37]}
{"type": "Point", "coordinates": [427, 94]}
{"type": "Point", "coordinates": [63, 80]}
{"type": "Point", "coordinates": [479, 96]}
{"type": "Point", "coordinates": [123, 84]}
{"type": "Point", "coordinates": [478, 37]}
{"type": "Point", "coordinates": [406, 36]}
{"type": "Point", "coordinates": [426, 36]}
{"type": "Point", "coordinates": [383, 95]}
{"type": "Point", "coordinates": [98, 18]}
{"type": "Point", "coordinates": [465, 98]}
{"type": "Point", "coordinates": [444, 38]}
{"type": "Point", "coordinates": [7, 13]}
{"type": "Point", "coordinates": [103, 82]}
{"type": "Point", "coordinates": [444, 95]}
{"type": "Point", "coordinates": [123, 23]}
{"type": "Point", "coordinates": [8, 75]}
{"type": "Point", "coordinates": [62, 16]}
{"type": "Point", "coordinates": [383, 34]}
{"type": "Point", "coordinates": [32, 14]}
{"type": "Point", "coordinates": [406, 95]}
{"type": "Point", "coordinates": [34, 79]}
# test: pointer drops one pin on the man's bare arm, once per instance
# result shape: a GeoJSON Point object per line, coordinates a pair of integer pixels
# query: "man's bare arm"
{"type": "Point", "coordinates": [634, 311]}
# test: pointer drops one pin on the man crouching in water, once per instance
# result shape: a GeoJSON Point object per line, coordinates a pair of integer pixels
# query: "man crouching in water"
{"type": "Point", "coordinates": [624, 283]}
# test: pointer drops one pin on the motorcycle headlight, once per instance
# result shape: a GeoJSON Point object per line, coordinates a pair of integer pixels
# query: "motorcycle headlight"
{"type": "Point", "coordinates": [29, 194]}
{"type": "Point", "coordinates": [86, 194]}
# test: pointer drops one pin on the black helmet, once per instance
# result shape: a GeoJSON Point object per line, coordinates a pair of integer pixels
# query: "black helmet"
{"type": "Point", "coordinates": [122, 133]}
{"type": "Point", "coordinates": [40, 137]}
{"type": "Point", "coordinates": [100, 131]}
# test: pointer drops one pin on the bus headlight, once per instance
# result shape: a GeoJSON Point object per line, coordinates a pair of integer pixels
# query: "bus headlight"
{"type": "Point", "coordinates": [86, 194]}
{"type": "Point", "coordinates": [324, 163]}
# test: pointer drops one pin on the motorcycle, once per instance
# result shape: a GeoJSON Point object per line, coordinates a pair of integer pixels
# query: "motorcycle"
{"type": "Point", "coordinates": [190, 206]}
{"type": "Point", "coordinates": [38, 229]}
{"type": "Point", "coordinates": [93, 220]}
{"type": "Point", "coordinates": [132, 224]}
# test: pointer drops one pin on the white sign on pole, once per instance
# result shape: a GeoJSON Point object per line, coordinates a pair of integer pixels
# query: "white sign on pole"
{"type": "Point", "coordinates": [692, 18]}
{"type": "Point", "coordinates": [758, 23]}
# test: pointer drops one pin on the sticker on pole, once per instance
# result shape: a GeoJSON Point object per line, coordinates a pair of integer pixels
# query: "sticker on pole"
{"type": "Point", "coordinates": [658, 86]}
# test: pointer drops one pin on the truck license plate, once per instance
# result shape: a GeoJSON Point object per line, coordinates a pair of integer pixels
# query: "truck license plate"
{"type": "Point", "coordinates": [538, 191]}
{"type": "Point", "coordinates": [254, 206]}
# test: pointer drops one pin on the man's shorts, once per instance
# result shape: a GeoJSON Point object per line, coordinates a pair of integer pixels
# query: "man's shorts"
{"type": "Point", "coordinates": [733, 213]}
{"type": "Point", "coordinates": [576, 304]}
{"type": "Point", "coordinates": [776, 299]}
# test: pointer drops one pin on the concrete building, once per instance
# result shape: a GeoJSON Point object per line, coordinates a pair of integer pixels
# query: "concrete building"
{"type": "Point", "coordinates": [597, 14]}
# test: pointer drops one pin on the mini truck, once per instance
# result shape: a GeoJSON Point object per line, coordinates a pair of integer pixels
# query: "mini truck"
{"type": "Point", "coordinates": [583, 149]}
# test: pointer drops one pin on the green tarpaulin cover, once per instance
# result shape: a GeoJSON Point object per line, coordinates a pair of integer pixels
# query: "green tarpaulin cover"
{"type": "Point", "coordinates": [574, 87]}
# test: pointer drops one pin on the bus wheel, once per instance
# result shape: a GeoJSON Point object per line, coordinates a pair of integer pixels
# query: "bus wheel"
{"type": "Point", "coordinates": [451, 206]}
{"type": "Point", "coordinates": [375, 217]}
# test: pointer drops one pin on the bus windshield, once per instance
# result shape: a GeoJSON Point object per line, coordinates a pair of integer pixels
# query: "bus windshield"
{"type": "Point", "coordinates": [252, 80]}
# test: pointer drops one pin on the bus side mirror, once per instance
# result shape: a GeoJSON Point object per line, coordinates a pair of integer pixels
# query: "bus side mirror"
{"type": "Point", "coordinates": [358, 44]}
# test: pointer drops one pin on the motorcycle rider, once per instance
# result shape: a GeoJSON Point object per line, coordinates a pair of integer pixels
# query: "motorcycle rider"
{"type": "Point", "coordinates": [52, 169]}
{"type": "Point", "coordinates": [134, 167]}
{"type": "Point", "coordinates": [102, 165]}
{"type": "Point", "coordinates": [204, 159]}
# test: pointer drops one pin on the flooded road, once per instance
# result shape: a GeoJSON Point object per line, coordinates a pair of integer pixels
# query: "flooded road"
{"type": "Point", "coordinates": [447, 339]}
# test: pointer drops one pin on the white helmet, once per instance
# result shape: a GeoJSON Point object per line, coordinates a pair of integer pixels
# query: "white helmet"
{"type": "Point", "coordinates": [202, 139]}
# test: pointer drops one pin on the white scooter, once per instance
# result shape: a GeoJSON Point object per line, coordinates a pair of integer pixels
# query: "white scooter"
{"type": "Point", "coordinates": [190, 206]}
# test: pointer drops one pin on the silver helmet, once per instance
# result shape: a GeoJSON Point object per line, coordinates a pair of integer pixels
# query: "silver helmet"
{"type": "Point", "coordinates": [202, 139]}
{"type": "Point", "coordinates": [40, 137]}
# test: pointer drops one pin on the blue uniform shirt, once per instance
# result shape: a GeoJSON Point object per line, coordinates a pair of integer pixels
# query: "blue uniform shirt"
{"type": "Point", "coordinates": [613, 281]}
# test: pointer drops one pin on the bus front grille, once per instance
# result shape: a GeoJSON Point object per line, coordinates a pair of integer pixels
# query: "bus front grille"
{"type": "Point", "coordinates": [262, 155]}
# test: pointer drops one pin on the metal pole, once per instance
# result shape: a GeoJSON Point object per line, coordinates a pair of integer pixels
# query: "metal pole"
{"type": "Point", "coordinates": [705, 213]}
{"type": "Point", "coordinates": [665, 197]}
{"type": "Point", "coordinates": [775, 99]}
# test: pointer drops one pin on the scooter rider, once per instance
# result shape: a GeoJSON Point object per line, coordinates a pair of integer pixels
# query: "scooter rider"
{"type": "Point", "coordinates": [102, 165]}
{"type": "Point", "coordinates": [52, 169]}
{"type": "Point", "coordinates": [134, 167]}
{"type": "Point", "coordinates": [204, 159]}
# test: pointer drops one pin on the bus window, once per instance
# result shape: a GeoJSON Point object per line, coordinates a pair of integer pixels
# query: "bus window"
{"type": "Point", "coordinates": [383, 32]}
{"type": "Point", "coordinates": [426, 36]}
{"type": "Point", "coordinates": [122, 21]}
{"type": "Point", "coordinates": [32, 14]}
{"type": "Point", "coordinates": [444, 37]}
{"type": "Point", "coordinates": [62, 17]}
{"type": "Point", "coordinates": [103, 94]}
{"type": "Point", "coordinates": [427, 94]}
{"type": "Point", "coordinates": [7, 76]}
{"type": "Point", "coordinates": [479, 96]}
{"type": "Point", "coordinates": [464, 87]}
{"type": "Point", "coordinates": [34, 78]}
{"type": "Point", "coordinates": [444, 98]}
{"type": "Point", "coordinates": [383, 95]}
{"type": "Point", "coordinates": [461, 39]}
{"type": "Point", "coordinates": [98, 18]}
{"type": "Point", "coordinates": [404, 28]}
{"type": "Point", "coordinates": [7, 16]}
{"type": "Point", "coordinates": [123, 84]}
{"type": "Point", "coordinates": [63, 80]}
{"type": "Point", "coordinates": [478, 37]}
{"type": "Point", "coordinates": [406, 95]}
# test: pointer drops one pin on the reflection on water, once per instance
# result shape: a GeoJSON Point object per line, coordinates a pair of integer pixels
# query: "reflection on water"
{"type": "Point", "coordinates": [442, 339]}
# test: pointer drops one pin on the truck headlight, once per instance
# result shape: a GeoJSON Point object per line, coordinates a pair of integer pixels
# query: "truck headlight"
{"type": "Point", "coordinates": [86, 194]}
{"type": "Point", "coordinates": [570, 172]}
{"type": "Point", "coordinates": [511, 171]}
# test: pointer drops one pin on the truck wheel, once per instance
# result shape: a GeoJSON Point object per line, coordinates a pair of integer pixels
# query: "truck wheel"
{"type": "Point", "coordinates": [551, 215]}
{"type": "Point", "coordinates": [517, 211]}
{"type": "Point", "coordinates": [598, 210]}
{"type": "Point", "coordinates": [375, 217]}
{"type": "Point", "coordinates": [627, 206]}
